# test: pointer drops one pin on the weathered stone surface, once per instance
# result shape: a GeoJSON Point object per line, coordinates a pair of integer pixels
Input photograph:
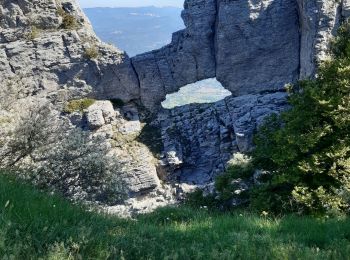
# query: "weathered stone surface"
{"type": "Point", "coordinates": [120, 128]}
{"type": "Point", "coordinates": [251, 47]}
{"type": "Point", "coordinates": [99, 114]}
{"type": "Point", "coordinates": [319, 21]}
{"type": "Point", "coordinates": [257, 45]}
{"type": "Point", "coordinates": [190, 56]}
{"type": "Point", "coordinates": [200, 139]}
{"type": "Point", "coordinates": [55, 58]}
{"type": "Point", "coordinates": [53, 66]}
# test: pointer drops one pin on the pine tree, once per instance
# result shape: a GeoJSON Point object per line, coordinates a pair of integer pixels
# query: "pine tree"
{"type": "Point", "coordinates": [307, 148]}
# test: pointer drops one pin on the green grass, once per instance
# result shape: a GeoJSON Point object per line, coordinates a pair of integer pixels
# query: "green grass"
{"type": "Point", "coordinates": [78, 105]}
{"type": "Point", "coordinates": [36, 225]}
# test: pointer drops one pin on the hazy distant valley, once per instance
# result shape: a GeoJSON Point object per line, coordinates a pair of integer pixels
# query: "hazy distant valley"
{"type": "Point", "coordinates": [136, 30]}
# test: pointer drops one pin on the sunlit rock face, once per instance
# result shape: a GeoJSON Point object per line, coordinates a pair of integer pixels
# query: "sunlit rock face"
{"type": "Point", "coordinates": [240, 42]}
{"type": "Point", "coordinates": [251, 47]}
{"type": "Point", "coordinates": [54, 58]}
{"type": "Point", "coordinates": [319, 20]}
{"type": "Point", "coordinates": [190, 56]}
{"type": "Point", "coordinates": [257, 45]}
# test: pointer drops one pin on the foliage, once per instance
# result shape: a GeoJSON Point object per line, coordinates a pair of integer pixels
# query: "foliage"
{"type": "Point", "coordinates": [33, 33]}
{"type": "Point", "coordinates": [151, 136]}
{"type": "Point", "coordinates": [117, 103]}
{"type": "Point", "coordinates": [12, 89]}
{"type": "Point", "coordinates": [69, 22]}
{"type": "Point", "coordinates": [78, 105]}
{"type": "Point", "coordinates": [307, 148]}
{"type": "Point", "coordinates": [91, 53]}
{"type": "Point", "coordinates": [55, 156]}
{"type": "Point", "coordinates": [35, 225]}
{"type": "Point", "coordinates": [229, 186]}
{"type": "Point", "coordinates": [197, 199]}
{"type": "Point", "coordinates": [79, 167]}
{"type": "Point", "coordinates": [29, 136]}
{"type": "Point", "coordinates": [240, 167]}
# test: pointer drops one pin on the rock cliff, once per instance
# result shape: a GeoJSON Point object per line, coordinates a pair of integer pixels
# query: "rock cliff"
{"type": "Point", "coordinates": [253, 47]}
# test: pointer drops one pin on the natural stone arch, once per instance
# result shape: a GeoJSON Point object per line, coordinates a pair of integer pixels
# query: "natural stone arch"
{"type": "Point", "coordinates": [247, 52]}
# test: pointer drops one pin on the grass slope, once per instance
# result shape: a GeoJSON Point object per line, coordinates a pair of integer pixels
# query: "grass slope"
{"type": "Point", "coordinates": [37, 225]}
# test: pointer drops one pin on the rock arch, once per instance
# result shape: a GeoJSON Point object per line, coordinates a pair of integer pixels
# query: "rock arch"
{"type": "Point", "coordinates": [254, 48]}
{"type": "Point", "coordinates": [239, 42]}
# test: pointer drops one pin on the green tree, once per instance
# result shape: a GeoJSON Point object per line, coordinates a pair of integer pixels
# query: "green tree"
{"type": "Point", "coordinates": [307, 148]}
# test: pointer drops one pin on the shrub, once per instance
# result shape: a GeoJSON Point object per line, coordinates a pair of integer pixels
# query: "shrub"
{"type": "Point", "coordinates": [117, 102]}
{"type": "Point", "coordinates": [240, 167]}
{"type": "Point", "coordinates": [78, 105]}
{"type": "Point", "coordinates": [69, 22]}
{"type": "Point", "coordinates": [33, 33]}
{"type": "Point", "coordinates": [308, 147]}
{"type": "Point", "coordinates": [91, 53]}
{"type": "Point", "coordinates": [45, 149]}
{"type": "Point", "coordinates": [197, 199]}
{"type": "Point", "coordinates": [79, 167]}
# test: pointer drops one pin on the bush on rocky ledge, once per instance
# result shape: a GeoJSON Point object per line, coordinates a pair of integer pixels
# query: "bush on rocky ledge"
{"type": "Point", "coordinates": [40, 147]}
{"type": "Point", "coordinates": [69, 22]}
{"type": "Point", "coordinates": [78, 105]}
{"type": "Point", "coordinates": [307, 149]}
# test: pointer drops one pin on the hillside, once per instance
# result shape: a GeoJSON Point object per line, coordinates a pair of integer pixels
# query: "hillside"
{"type": "Point", "coordinates": [48, 227]}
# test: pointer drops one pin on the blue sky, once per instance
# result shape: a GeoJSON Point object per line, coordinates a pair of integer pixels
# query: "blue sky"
{"type": "Point", "coordinates": [129, 3]}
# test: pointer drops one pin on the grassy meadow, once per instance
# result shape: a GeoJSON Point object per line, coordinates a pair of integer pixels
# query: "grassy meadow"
{"type": "Point", "coordinates": [37, 225]}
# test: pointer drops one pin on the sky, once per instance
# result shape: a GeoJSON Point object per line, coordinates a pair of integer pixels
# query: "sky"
{"type": "Point", "coordinates": [129, 3]}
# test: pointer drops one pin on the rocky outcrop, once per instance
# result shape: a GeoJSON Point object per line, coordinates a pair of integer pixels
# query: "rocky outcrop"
{"type": "Point", "coordinates": [253, 47]}
{"type": "Point", "coordinates": [200, 139]}
{"type": "Point", "coordinates": [257, 45]}
{"type": "Point", "coordinates": [51, 58]}
{"type": "Point", "coordinates": [319, 21]}
{"type": "Point", "coordinates": [190, 56]}
{"type": "Point", "coordinates": [53, 64]}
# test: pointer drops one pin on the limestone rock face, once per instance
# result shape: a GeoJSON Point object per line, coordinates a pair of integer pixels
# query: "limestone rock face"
{"type": "Point", "coordinates": [257, 45]}
{"type": "Point", "coordinates": [200, 139]}
{"type": "Point", "coordinates": [251, 47]}
{"type": "Point", "coordinates": [35, 47]}
{"type": "Point", "coordinates": [189, 57]}
{"type": "Point", "coordinates": [51, 63]}
{"type": "Point", "coordinates": [319, 21]}
{"type": "Point", "coordinates": [99, 114]}
{"type": "Point", "coordinates": [120, 131]}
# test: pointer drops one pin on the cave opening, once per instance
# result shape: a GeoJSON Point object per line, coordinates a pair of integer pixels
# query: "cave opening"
{"type": "Point", "coordinates": [201, 92]}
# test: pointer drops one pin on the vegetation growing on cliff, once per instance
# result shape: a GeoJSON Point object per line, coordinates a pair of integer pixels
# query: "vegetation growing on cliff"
{"type": "Point", "coordinates": [78, 105]}
{"type": "Point", "coordinates": [38, 145]}
{"type": "Point", "coordinates": [307, 149]}
{"type": "Point", "coordinates": [91, 53]}
{"type": "Point", "coordinates": [69, 22]}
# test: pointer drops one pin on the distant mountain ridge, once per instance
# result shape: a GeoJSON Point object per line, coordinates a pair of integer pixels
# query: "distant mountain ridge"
{"type": "Point", "coordinates": [136, 30]}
